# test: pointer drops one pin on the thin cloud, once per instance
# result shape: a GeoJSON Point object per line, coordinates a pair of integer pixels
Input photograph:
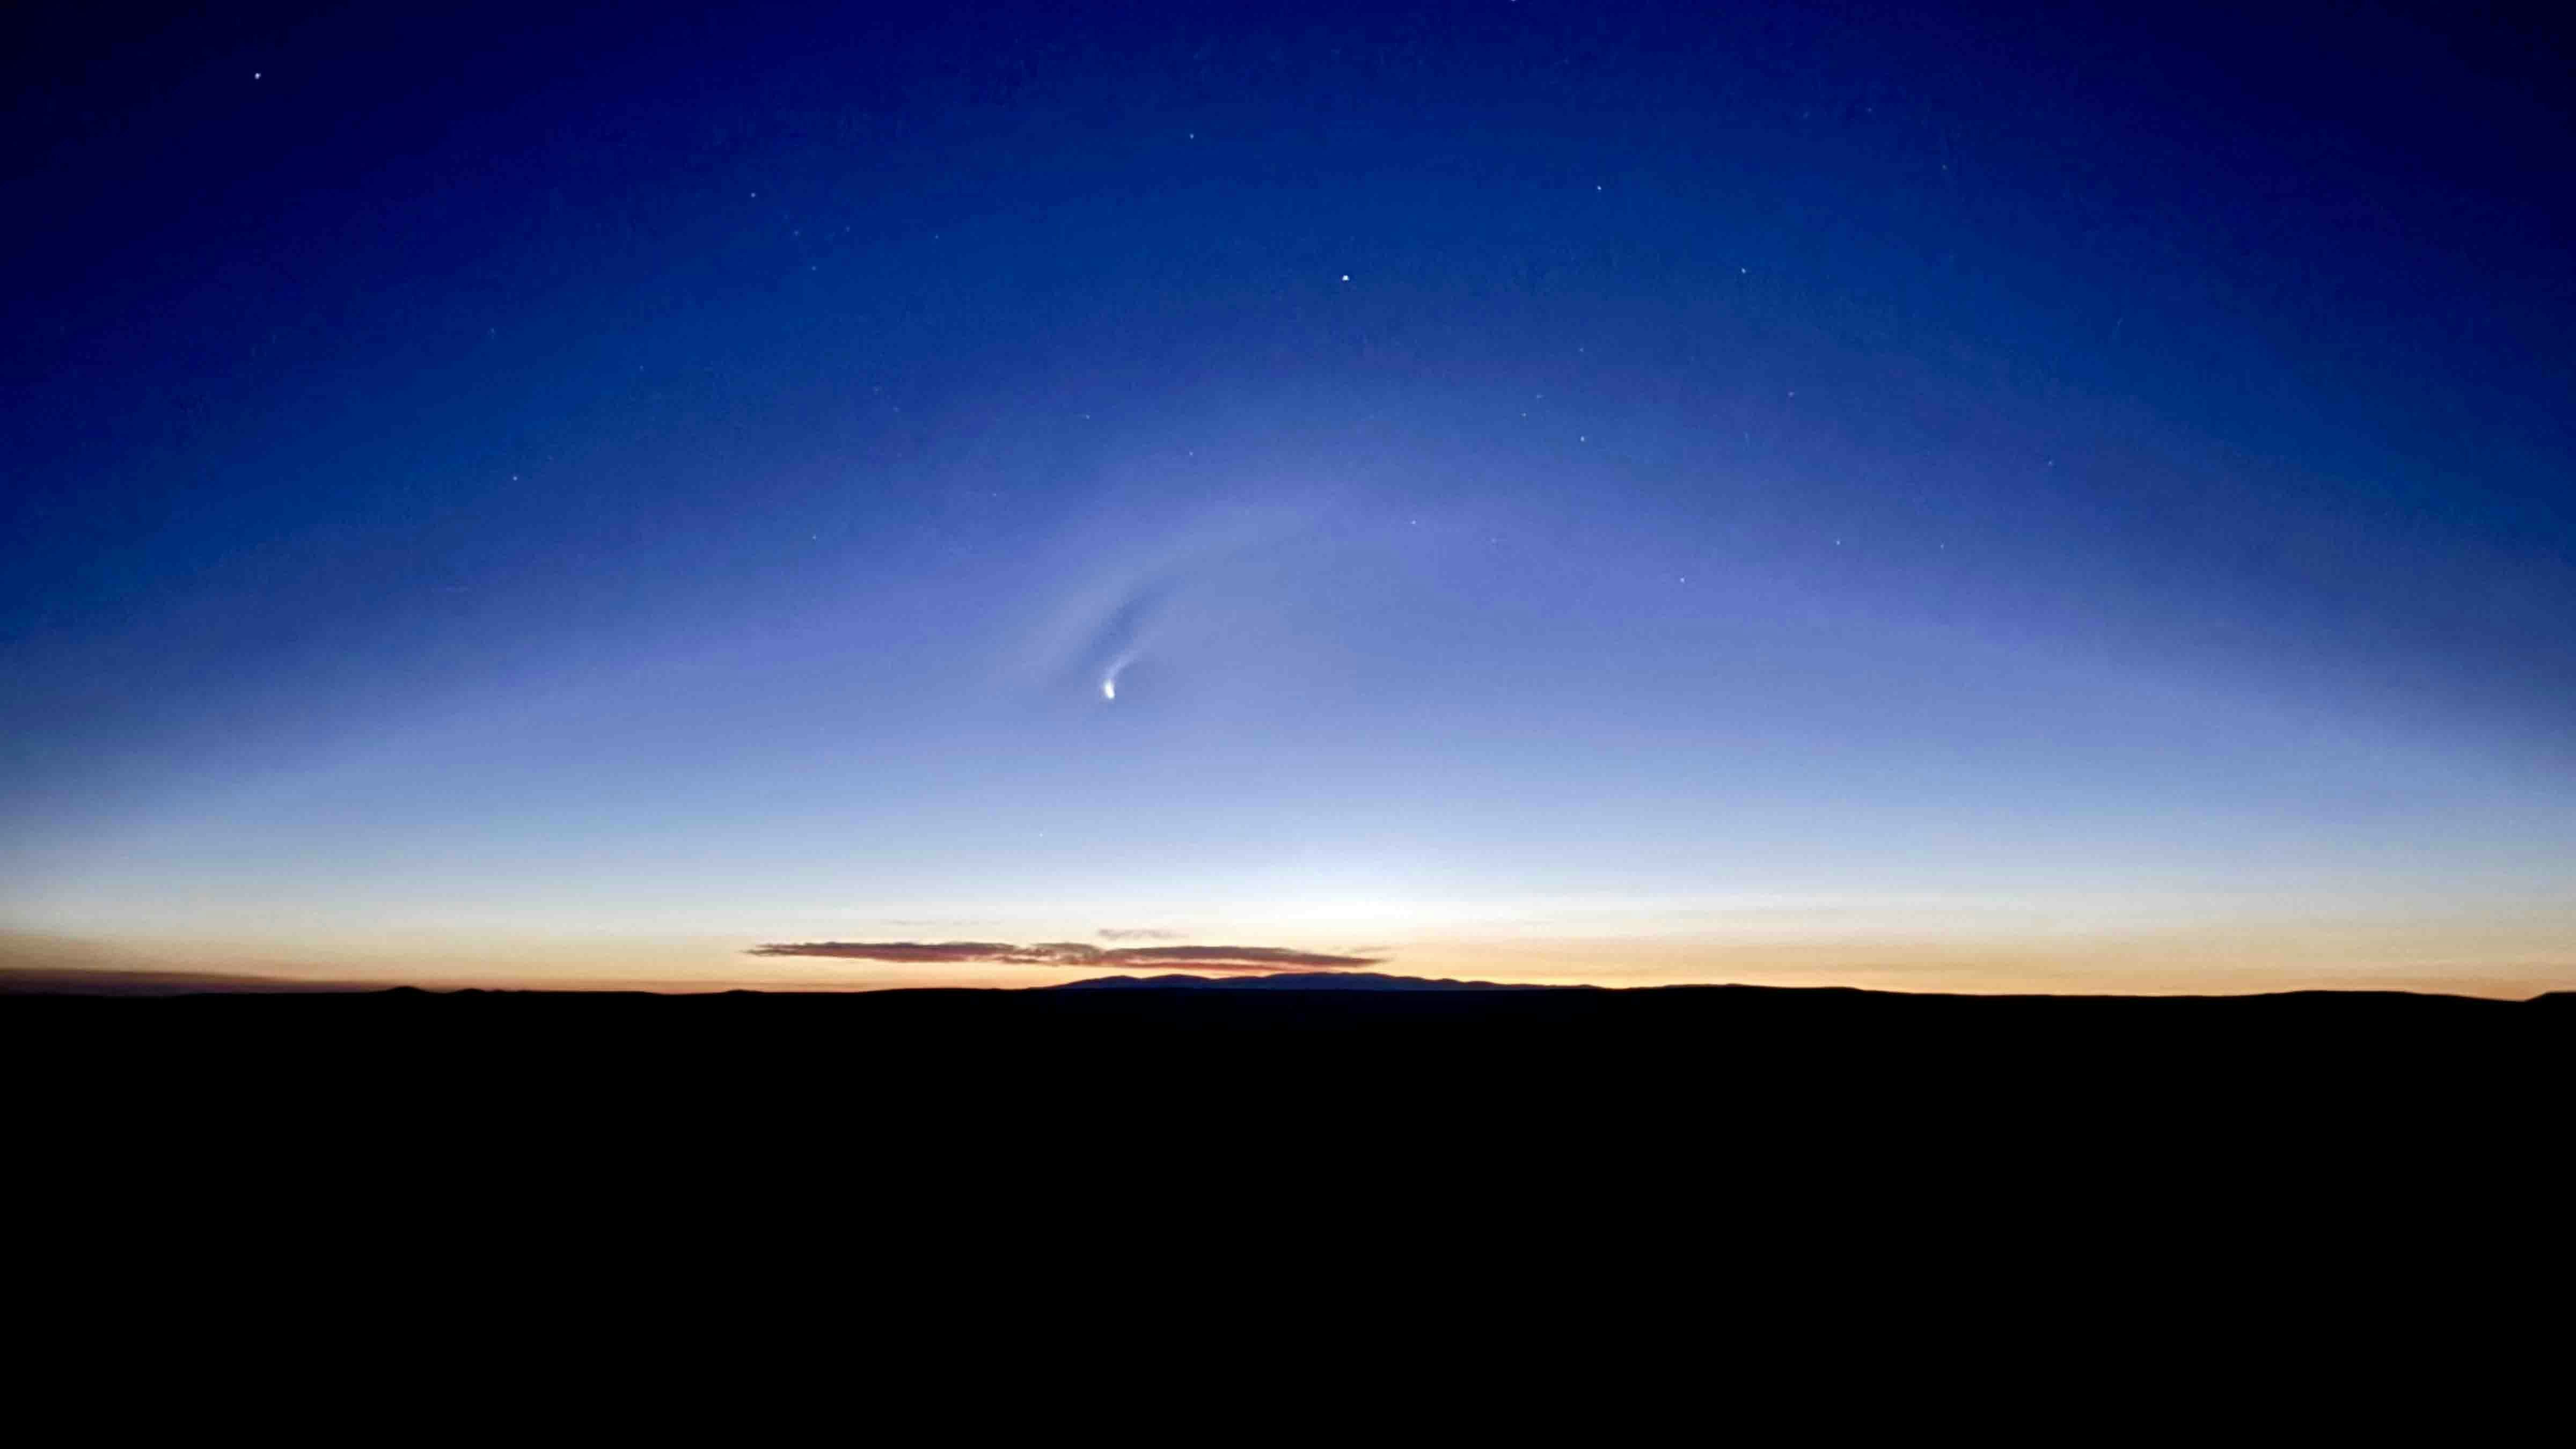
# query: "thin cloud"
{"type": "Point", "coordinates": [1071, 954]}
{"type": "Point", "coordinates": [1238, 958]}
{"type": "Point", "coordinates": [924, 952]}
{"type": "Point", "coordinates": [1139, 933]}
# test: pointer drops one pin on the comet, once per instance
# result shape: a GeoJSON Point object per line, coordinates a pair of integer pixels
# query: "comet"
{"type": "Point", "coordinates": [1109, 681]}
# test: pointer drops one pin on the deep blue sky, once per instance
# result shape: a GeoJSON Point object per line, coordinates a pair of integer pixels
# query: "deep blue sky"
{"type": "Point", "coordinates": [1545, 473]}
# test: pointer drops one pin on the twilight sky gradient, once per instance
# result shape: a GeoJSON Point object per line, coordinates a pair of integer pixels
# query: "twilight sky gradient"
{"type": "Point", "coordinates": [1566, 491]}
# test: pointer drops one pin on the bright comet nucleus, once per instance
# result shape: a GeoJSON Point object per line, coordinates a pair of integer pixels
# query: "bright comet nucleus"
{"type": "Point", "coordinates": [1109, 688]}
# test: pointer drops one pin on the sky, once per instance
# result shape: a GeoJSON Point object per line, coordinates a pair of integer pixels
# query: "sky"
{"type": "Point", "coordinates": [856, 496]}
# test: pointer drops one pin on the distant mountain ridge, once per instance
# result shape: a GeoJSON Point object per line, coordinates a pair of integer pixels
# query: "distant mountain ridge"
{"type": "Point", "coordinates": [1299, 981]}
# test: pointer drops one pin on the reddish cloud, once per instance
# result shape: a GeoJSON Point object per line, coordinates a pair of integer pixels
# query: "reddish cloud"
{"type": "Point", "coordinates": [1071, 954]}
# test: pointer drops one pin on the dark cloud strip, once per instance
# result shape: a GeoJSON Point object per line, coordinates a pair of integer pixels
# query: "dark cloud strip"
{"type": "Point", "coordinates": [1070, 954]}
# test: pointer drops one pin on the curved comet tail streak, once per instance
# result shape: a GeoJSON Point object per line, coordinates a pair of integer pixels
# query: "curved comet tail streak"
{"type": "Point", "coordinates": [1118, 666]}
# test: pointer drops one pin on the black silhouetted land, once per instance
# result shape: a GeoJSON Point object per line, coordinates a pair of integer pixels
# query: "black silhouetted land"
{"type": "Point", "coordinates": [1161, 1034]}
{"type": "Point", "coordinates": [1270, 1106]}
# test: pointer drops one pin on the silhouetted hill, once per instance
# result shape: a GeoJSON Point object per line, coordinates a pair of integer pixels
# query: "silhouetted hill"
{"type": "Point", "coordinates": [1151, 1033]}
{"type": "Point", "coordinates": [82, 981]}
{"type": "Point", "coordinates": [1150, 1081]}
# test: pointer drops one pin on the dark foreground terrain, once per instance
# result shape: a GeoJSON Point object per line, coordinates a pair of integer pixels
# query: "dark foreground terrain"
{"type": "Point", "coordinates": [1163, 1046]}
{"type": "Point", "coordinates": [1242, 1120]}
